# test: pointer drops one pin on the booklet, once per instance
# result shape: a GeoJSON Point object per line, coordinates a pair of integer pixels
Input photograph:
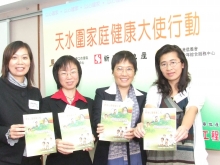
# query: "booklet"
{"type": "Point", "coordinates": [39, 134]}
{"type": "Point", "coordinates": [116, 118]}
{"type": "Point", "coordinates": [76, 128]}
{"type": "Point", "coordinates": [160, 126]}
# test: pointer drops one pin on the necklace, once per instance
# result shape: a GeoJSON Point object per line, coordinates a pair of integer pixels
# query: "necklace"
{"type": "Point", "coordinates": [70, 99]}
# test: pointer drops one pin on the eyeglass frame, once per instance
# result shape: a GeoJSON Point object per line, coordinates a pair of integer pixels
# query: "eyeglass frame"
{"type": "Point", "coordinates": [65, 74]}
{"type": "Point", "coordinates": [120, 69]}
{"type": "Point", "coordinates": [170, 64]}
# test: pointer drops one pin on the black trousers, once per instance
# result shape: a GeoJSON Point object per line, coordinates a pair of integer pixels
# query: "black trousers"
{"type": "Point", "coordinates": [35, 160]}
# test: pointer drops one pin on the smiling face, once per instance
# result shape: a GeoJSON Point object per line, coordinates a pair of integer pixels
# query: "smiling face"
{"type": "Point", "coordinates": [68, 76]}
{"type": "Point", "coordinates": [19, 64]}
{"type": "Point", "coordinates": [124, 74]}
{"type": "Point", "coordinates": [171, 73]}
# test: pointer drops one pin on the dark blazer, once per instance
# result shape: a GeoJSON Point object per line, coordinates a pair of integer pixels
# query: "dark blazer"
{"type": "Point", "coordinates": [14, 103]}
{"type": "Point", "coordinates": [102, 149]}
{"type": "Point", "coordinates": [77, 157]}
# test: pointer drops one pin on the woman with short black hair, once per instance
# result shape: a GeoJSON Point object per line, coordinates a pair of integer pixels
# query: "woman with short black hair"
{"type": "Point", "coordinates": [124, 68]}
{"type": "Point", "coordinates": [67, 74]}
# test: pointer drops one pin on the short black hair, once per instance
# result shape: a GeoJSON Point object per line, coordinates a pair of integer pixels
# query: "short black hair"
{"type": "Point", "coordinates": [123, 56]}
{"type": "Point", "coordinates": [63, 61]}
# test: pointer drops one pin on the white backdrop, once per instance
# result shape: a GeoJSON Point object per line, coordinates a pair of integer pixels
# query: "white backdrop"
{"type": "Point", "coordinates": [93, 31]}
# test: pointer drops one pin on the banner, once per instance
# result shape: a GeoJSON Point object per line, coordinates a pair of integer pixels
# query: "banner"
{"type": "Point", "coordinates": [93, 31]}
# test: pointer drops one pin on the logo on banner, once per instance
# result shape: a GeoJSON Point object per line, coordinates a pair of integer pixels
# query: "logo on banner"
{"type": "Point", "coordinates": [106, 58]}
{"type": "Point", "coordinates": [143, 55]}
{"type": "Point", "coordinates": [97, 58]}
{"type": "Point", "coordinates": [135, 56]}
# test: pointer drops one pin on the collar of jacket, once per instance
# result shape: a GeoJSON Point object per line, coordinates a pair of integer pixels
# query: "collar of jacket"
{"type": "Point", "coordinates": [112, 90]}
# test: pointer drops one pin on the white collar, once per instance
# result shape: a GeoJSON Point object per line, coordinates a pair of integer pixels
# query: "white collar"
{"type": "Point", "coordinates": [112, 90]}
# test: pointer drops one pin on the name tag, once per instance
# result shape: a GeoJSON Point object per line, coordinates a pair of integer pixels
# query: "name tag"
{"type": "Point", "coordinates": [70, 108]}
{"type": "Point", "coordinates": [180, 96]}
{"type": "Point", "coordinates": [33, 104]}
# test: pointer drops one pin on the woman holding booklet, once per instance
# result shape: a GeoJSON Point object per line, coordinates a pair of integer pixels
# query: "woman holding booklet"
{"type": "Point", "coordinates": [67, 73]}
{"type": "Point", "coordinates": [124, 67]}
{"type": "Point", "coordinates": [17, 97]}
{"type": "Point", "coordinates": [173, 89]}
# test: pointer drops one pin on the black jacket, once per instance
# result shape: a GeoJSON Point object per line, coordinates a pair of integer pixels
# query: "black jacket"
{"type": "Point", "coordinates": [13, 104]}
{"type": "Point", "coordinates": [102, 149]}
{"type": "Point", "coordinates": [77, 157]}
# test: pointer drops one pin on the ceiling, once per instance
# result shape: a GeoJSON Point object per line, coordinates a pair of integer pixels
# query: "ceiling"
{"type": "Point", "coordinates": [20, 4]}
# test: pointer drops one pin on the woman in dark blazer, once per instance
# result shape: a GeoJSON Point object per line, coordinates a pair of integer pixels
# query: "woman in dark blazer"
{"type": "Point", "coordinates": [124, 67]}
{"type": "Point", "coordinates": [16, 97]}
{"type": "Point", "coordinates": [67, 73]}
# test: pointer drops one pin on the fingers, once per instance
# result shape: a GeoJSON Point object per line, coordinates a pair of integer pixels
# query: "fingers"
{"type": "Point", "coordinates": [93, 137]}
{"type": "Point", "coordinates": [129, 134]}
{"type": "Point", "coordinates": [139, 130]}
{"type": "Point", "coordinates": [88, 149]}
{"type": "Point", "coordinates": [181, 133]}
{"type": "Point", "coordinates": [64, 147]}
{"type": "Point", "coordinates": [100, 128]}
{"type": "Point", "coordinates": [17, 131]}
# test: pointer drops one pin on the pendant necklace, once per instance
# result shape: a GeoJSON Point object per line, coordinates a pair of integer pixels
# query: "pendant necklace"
{"type": "Point", "coordinates": [70, 99]}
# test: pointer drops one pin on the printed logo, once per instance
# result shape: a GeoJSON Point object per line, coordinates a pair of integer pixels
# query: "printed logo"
{"type": "Point", "coordinates": [51, 62]}
{"type": "Point", "coordinates": [97, 58]}
{"type": "Point", "coordinates": [143, 55]}
{"type": "Point", "coordinates": [106, 58]}
{"type": "Point", "coordinates": [135, 56]}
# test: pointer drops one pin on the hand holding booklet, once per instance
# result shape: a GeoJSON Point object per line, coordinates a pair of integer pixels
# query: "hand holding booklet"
{"type": "Point", "coordinates": [116, 118]}
{"type": "Point", "coordinates": [76, 128]}
{"type": "Point", "coordinates": [39, 134]}
{"type": "Point", "coordinates": [159, 126]}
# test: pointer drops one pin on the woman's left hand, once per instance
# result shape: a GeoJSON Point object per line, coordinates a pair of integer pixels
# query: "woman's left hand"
{"type": "Point", "coordinates": [181, 133]}
{"type": "Point", "coordinates": [129, 134]}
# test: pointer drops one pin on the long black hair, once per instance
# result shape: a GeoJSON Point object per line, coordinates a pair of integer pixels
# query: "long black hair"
{"type": "Point", "coordinates": [162, 83]}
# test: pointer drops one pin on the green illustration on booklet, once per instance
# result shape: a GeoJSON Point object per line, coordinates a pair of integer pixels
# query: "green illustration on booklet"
{"type": "Point", "coordinates": [160, 126]}
{"type": "Point", "coordinates": [76, 128]}
{"type": "Point", "coordinates": [116, 118]}
{"type": "Point", "coordinates": [39, 134]}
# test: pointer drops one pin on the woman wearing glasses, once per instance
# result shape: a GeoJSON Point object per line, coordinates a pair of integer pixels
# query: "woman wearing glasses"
{"type": "Point", "coordinates": [124, 67]}
{"type": "Point", "coordinates": [67, 73]}
{"type": "Point", "coordinates": [173, 89]}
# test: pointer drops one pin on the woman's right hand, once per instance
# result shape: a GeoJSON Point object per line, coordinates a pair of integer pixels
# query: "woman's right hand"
{"type": "Point", "coordinates": [100, 128]}
{"type": "Point", "coordinates": [17, 131]}
{"type": "Point", "coordinates": [139, 130]}
{"type": "Point", "coordinates": [64, 147]}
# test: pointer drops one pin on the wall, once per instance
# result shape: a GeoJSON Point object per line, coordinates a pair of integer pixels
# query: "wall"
{"type": "Point", "coordinates": [30, 30]}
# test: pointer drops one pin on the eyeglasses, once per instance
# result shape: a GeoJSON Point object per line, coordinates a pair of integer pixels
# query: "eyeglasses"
{"type": "Point", "coordinates": [128, 70]}
{"type": "Point", "coordinates": [65, 74]}
{"type": "Point", "coordinates": [172, 64]}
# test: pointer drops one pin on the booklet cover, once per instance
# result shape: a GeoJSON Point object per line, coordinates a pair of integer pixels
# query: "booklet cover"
{"type": "Point", "coordinates": [76, 128]}
{"type": "Point", "coordinates": [116, 118]}
{"type": "Point", "coordinates": [39, 134]}
{"type": "Point", "coordinates": [160, 126]}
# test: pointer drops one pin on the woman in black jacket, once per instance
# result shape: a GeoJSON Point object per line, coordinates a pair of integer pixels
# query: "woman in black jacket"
{"type": "Point", "coordinates": [16, 97]}
{"type": "Point", "coordinates": [67, 73]}
{"type": "Point", "coordinates": [124, 67]}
